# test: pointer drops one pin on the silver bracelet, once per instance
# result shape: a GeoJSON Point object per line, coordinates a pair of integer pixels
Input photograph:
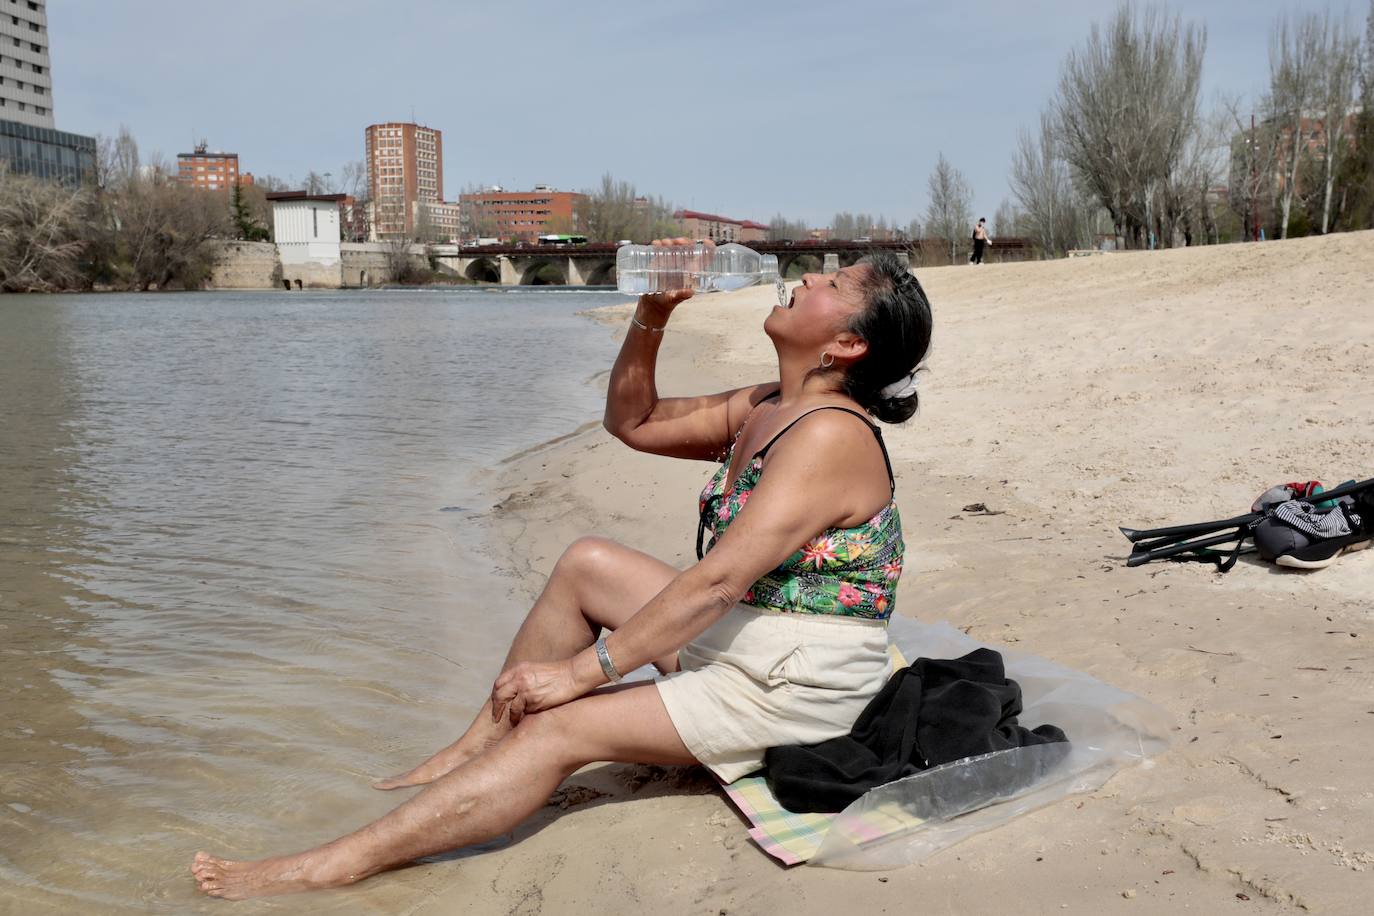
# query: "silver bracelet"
{"type": "Point", "coordinates": [634, 320]}
{"type": "Point", "coordinates": [607, 666]}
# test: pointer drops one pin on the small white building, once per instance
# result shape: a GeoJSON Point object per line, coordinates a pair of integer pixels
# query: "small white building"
{"type": "Point", "coordinates": [306, 229]}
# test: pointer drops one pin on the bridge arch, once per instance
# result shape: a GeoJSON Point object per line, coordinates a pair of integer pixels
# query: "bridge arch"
{"type": "Point", "coordinates": [483, 270]}
{"type": "Point", "coordinates": [793, 266]}
{"type": "Point", "coordinates": [543, 272]}
{"type": "Point", "coordinates": [603, 274]}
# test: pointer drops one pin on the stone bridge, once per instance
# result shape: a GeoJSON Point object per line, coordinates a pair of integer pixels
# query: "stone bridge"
{"type": "Point", "coordinates": [594, 265]}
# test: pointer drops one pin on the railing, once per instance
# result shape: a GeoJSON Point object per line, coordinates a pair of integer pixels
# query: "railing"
{"type": "Point", "coordinates": [1020, 246]}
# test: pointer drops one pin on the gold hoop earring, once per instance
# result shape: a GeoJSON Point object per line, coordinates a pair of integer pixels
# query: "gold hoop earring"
{"type": "Point", "coordinates": [824, 364]}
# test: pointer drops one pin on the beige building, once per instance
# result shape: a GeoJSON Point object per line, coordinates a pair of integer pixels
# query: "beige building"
{"type": "Point", "coordinates": [29, 142]}
{"type": "Point", "coordinates": [25, 76]}
{"type": "Point", "coordinates": [439, 221]}
{"type": "Point", "coordinates": [722, 229]}
{"type": "Point", "coordinates": [405, 167]}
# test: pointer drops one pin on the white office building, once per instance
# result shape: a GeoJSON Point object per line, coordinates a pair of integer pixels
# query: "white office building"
{"type": "Point", "coordinates": [25, 77]}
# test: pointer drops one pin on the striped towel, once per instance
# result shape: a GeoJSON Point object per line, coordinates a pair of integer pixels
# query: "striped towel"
{"type": "Point", "coordinates": [793, 838]}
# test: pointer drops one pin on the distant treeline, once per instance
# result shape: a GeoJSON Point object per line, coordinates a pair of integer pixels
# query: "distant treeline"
{"type": "Point", "coordinates": [134, 226]}
{"type": "Point", "coordinates": [1124, 149]}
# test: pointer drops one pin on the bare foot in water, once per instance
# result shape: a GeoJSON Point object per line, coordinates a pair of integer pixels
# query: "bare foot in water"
{"type": "Point", "coordinates": [265, 877]}
{"type": "Point", "coordinates": [480, 738]}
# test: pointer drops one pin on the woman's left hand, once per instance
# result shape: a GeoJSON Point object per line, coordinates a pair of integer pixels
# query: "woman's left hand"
{"type": "Point", "coordinates": [533, 686]}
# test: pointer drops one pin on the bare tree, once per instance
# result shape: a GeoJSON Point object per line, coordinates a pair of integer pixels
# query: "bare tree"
{"type": "Point", "coordinates": [271, 183]}
{"type": "Point", "coordinates": [476, 216]}
{"type": "Point", "coordinates": [425, 230]}
{"type": "Point", "coordinates": [1007, 220]}
{"type": "Point", "coordinates": [40, 234]}
{"type": "Point", "coordinates": [1254, 156]}
{"type": "Point", "coordinates": [1339, 73]}
{"type": "Point", "coordinates": [950, 215]}
{"type": "Point", "coordinates": [780, 228]}
{"type": "Point", "coordinates": [1126, 106]}
{"type": "Point", "coordinates": [844, 225]}
{"type": "Point", "coordinates": [354, 209]}
{"type": "Point", "coordinates": [617, 211]}
{"type": "Point", "coordinates": [1356, 210]}
{"type": "Point", "coordinates": [1295, 52]}
{"type": "Point", "coordinates": [1043, 188]}
{"type": "Point", "coordinates": [403, 264]}
{"type": "Point", "coordinates": [117, 160]}
{"type": "Point", "coordinates": [1185, 203]}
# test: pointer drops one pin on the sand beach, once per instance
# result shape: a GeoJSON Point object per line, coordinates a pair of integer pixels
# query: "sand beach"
{"type": "Point", "coordinates": [1070, 397]}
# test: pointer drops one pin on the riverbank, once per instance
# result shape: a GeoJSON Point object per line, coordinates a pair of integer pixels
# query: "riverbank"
{"type": "Point", "coordinates": [1070, 397]}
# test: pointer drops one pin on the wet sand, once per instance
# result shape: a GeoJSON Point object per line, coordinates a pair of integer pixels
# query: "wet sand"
{"type": "Point", "coordinates": [1072, 396]}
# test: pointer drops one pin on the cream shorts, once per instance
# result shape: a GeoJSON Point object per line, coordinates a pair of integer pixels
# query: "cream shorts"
{"type": "Point", "coordinates": [758, 679]}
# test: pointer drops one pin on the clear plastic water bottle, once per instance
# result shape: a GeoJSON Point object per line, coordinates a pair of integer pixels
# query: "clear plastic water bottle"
{"type": "Point", "coordinates": [641, 269]}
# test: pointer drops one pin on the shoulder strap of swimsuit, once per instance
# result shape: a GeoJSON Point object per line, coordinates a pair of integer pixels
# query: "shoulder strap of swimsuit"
{"type": "Point", "coordinates": [877, 434]}
{"type": "Point", "coordinates": [766, 397]}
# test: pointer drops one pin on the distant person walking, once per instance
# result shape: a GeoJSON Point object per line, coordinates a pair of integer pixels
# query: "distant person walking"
{"type": "Point", "coordinates": [980, 241]}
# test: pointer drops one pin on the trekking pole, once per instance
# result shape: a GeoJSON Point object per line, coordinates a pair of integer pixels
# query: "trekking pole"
{"type": "Point", "coordinates": [1158, 536]}
{"type": "Point", "coordinates": [1177, 532]}
{"type": "Point", "coordinates": [1140, 558]}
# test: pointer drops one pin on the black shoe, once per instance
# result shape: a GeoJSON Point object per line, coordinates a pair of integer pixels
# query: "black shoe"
{"type": "Point", "coordinates": [1323, 553]}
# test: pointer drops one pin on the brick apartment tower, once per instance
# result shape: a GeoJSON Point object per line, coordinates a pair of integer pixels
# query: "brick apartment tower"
{"type": "Point", "coordinates": [405, 168]}
{"type": "Point", "coordinates": [211, 170]}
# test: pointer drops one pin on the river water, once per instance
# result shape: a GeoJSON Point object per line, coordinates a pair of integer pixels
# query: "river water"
{"type": "Point", "coordinates": [240, 563]}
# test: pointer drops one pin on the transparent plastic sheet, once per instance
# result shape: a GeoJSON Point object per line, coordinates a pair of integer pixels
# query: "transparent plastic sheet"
{"type": "Point", "coordinates": [907, 821]}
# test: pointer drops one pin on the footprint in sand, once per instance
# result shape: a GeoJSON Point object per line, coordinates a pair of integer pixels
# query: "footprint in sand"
{"type": "Point", "coordinates": [572, 796]}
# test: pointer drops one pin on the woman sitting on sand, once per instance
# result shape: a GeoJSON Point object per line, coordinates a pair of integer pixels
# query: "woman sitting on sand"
{"type": "Point", "coordinates": [777, 636]}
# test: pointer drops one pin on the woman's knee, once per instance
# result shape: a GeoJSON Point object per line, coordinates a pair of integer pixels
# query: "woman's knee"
{"type": "Point", "coordinates": [550, 735]}
{"type": "Point", "coordinates": [588, 556]}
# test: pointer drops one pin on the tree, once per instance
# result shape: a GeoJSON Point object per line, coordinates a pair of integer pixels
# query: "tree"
{"type": "Point", "coordinates": [1254, 155]}
{"type": "Point", "coordinates": [247, 225]}
{"type": "Point", "coordinates": [1126, 107]}
{"type": "Point", "coordinates": [353, 215]}
{"type": "Point", "coordinates": [163, 228]}
{"type": "Point", "coordinates": [315, 183]}
{"type": "Point", "coordinates": [271, 183]}
{"type": "Point", "coordinates": [1007, 220]}
{"type": "Point", "coordinates": [40, 234]}
{"type": "Point", "coordinates": [780, 228]}
{"type": "Point", "coordinates": [1339, 72]}
{"type": "Point", "coordinates": [477, 219]}
{"type": "Point", "coordinates": [616, 211]}
{"type": "Point", "coordinates": [1043, 188]}
{"type": "Point", "coordinates": [1358, 172]}
{"type": "Point", "coordinates": [1184, 202]}
{"type": "Point", "coordinates": [1295, 50]}
{"type": "Point", "coordinates": [404, 265]}
{"type": "Point", "coordinates": [426, 231]}
{"type": "Point", "coordinates": [950, 215]}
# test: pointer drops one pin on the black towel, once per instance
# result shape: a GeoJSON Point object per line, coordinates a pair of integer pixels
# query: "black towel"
{"type": "Point", "coordinates": [932, 712]}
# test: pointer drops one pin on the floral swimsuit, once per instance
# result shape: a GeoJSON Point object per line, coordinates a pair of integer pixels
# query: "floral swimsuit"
{"type": "Point", "coordinates": [849, 572]}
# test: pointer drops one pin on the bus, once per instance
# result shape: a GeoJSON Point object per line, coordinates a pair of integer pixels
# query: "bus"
{"type": "Point", "coordinates": [562, 239]}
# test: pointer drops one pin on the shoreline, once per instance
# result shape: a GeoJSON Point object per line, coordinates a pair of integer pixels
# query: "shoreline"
{"type": "Point", "coordinates": [1050, 382]}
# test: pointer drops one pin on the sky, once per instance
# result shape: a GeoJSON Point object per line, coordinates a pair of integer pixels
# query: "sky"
{"type": "Point", "coordinates": [748, 108]}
